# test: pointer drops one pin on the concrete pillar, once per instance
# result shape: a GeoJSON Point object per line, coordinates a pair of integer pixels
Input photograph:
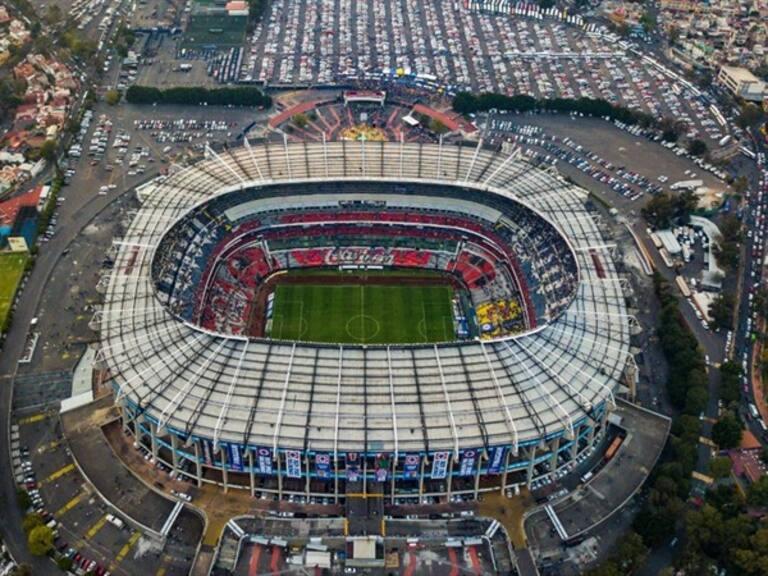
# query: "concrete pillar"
{"type": "Point", "coordinates": [392, 479]}
{"type": "Point", "coordinates": [198, 465]}
{"type": "Point", "coordinates": [279, 477]}
{"type": "Point", "coordinates": [480, 457]}
{"type": "Point", "coordinates": [531, 464]}
{"type": "Point", "coordinates": [153, 438]}
{"type": "Point", "coordinates": [449, 478]}
{"type": "Point", "coordinates": [174, 454]}
{"type": "Point", "coordinates": [335, 472]}
{"type": "Point", "coordinates": [224, 468]}
{"type": "Point", "coordinates": [421, 476]}
{"type": "Point", "coordinates": [554, 446]}
{"type": "Point", "coordinates": [575, 445]}
{"type": "Point", "coordinates": [306, 484]}
{"type": "Point", "coordinates": [504, 474]}
{"type": "Point", "coordinates": [251, 476]}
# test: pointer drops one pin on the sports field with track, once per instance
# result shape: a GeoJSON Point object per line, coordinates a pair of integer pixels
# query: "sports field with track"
{"type": "Point", "coordinates": [363, 313]}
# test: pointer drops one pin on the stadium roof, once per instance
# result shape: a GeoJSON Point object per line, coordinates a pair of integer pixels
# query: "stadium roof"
{"type": "Point", "coordinates": [291, 395]}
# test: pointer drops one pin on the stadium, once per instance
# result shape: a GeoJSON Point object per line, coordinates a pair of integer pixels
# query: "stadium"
{"type": "Point", "coordinates": [410, 319]}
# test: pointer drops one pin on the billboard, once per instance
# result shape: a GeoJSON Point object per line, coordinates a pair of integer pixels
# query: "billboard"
{"type": "Point", "coordinates": [440, 465]}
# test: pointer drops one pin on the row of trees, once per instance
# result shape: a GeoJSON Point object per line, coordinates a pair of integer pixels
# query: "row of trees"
{"type": "Point", "coordinates": [721, 533]}
{"type": "Point", "coordinates": [664, 209]}
{"type": "Point", "coordinates": [664, 503]}
{"type": "Point", "coordinates": [239, 96]}
{"type": "Point", "coordinates": [468, 103]}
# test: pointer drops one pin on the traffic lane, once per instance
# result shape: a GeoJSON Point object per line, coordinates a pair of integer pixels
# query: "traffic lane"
{"type": "Point", "coordinates": [70, 226]}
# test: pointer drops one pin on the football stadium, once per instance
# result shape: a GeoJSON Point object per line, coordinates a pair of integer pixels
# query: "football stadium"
{"type": "Point", "coordinates": [408, 319]}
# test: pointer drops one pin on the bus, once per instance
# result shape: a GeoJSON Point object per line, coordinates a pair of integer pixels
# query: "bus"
{"type": "Point", "coordinates": [614, 446]}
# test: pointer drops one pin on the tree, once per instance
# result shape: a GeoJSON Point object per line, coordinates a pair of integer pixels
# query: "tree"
{"type": "Point", "coordinates": [48, 151]}
{"type": "Point", "coordinates": [23, 499]}
{"type": "Point", "coordinates": [40, 540]}
{"type": "Point", "coordinates": [31, 521]}
{"type": "Point", "coordinates": [53, 14]}
{"type": "Point", "coordinates": [22, 570]}
{"type": "Point", "coordinates": [720, 467]}
{"type": "Point", "coordinates": [721, 311]}
{"type": "Point", "coordinates": [112, 97]}
{"type": "Point", "coordinates": [757, 493]}
{"type": "Point", "coordinates": [740, 185]}
{"type": "Point", "coordinates": [726, 432]}
{"type": "Point", "coordinates": [750, 116]}
{"type": "Point", "coordinates": [64, 563]}
{"type": "Point", "coordinates": [697, 147]}
{"type": "Point", "coordinates": [648, 20]}
{"type": "Point", "coordinates": [300, 120]}
{"type": "Point", "coordinates": [659, 210]}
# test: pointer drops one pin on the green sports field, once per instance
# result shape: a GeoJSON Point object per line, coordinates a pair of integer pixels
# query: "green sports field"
{"type": "Point", "coordinates": [204, 30]}
{"type": "Point", "coordinates": [363, 314]}
{"type": "Point", "coordinates": [11, 271]}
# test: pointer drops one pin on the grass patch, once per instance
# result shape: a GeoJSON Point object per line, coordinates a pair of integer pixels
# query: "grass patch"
{"type": "Point", "coordinates": [11, 270]}
{"type": "Point", "coordinates": [363, 314]}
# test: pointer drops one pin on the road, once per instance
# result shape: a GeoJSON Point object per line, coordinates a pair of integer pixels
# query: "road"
{"type": "Point", "coordinates": [82, 206]}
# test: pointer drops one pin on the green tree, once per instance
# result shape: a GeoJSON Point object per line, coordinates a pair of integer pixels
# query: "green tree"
{"type": "Point", "coordinates": [726, 432]}
{"type": "Point", "coordinates": [720, 467]}
{"type": "Point", "coordinates": [48, 151]}
{"type": "Point", "coordinates": [757, 493]}
{"type": "Point", "coordinates": [22, 570]}
{"type": "Point", "coordinates": [112, 97]}
{"type": "Point", "coordinates": [23, 499]}
{"type": "Point", "coordinates": [721, 311]}
{"type": "Point", "coordinates": [40, 540]}
{"type": "Point", "coordinates": [740, 185]}
{"type": "Point", "coordinates": [64, 563]}
{"type": "Point", "coordinates": [648, 20]}
{"type": "Point", "coordinates": [750, 116]}
{"type": "Point", "coordinates": [300, 120]}
{"type": "Point", "coordinates": [697, 147]}
{"type": "Point", "coordinates": [31, 521]}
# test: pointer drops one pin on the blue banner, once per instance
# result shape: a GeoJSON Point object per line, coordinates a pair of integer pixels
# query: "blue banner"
{"type": "Point", "coordinates": [353, 466]}
{"type": "Point", "coordinates": [264, 460]}
{"type": "Point", "coordinates": [411, 466]}
{"type": "Point", "coordinates": [234, 457]}
{"type": "Point", "coordinates": [323, 464]}
{"type": "Point", "coordinates": [468, 459]}
{"type": "Point", "coordinates": [497, 459]}
{"type": "Point", "coordinates": [207, 452]}
{"type": "Point", "coordinates": [293, 463]}
{"type": "Point", "coordinates": [381, 467]}
{"type": "Point", "coordinates": [440, 465]}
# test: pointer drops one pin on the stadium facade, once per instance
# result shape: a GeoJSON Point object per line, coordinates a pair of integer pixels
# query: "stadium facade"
{"type": "Point", "coordinates": [523, 399]}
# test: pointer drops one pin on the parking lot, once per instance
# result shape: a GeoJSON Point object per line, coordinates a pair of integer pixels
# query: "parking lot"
{"type": "Point", "coordinates": [625, 167]}
{"type": "Point", "coordinates": [324, 42]}
{"type": "Point", "coordinates": [88, 531]}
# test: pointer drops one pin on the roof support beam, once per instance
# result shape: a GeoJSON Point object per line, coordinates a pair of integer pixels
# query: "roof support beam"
{"type": "Point", "coordinates": [451, 418]}
{"type": "Point", "coordinates": [278, 423]}
{"type": "Point", "coordinates": [228, 399]}
{"type": "Point", "coordinates": [392, 399]}
{"type": "Point", "coordinates": [502, 400]}
{"type": "Point", "coordinates": [338, 406]}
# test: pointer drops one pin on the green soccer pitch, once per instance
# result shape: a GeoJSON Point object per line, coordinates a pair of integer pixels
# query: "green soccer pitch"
{"type": "Point", "coordinates": [363, 313]}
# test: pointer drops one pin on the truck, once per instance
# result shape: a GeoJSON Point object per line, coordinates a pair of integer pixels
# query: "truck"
{"type": "Point", "coordinates": [683, 285]}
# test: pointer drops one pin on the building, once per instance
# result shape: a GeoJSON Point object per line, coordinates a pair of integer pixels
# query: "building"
{"type": "Point", "coordinates": [410, 422]}
{"type": "Point", "coordinates": [742, 83]}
